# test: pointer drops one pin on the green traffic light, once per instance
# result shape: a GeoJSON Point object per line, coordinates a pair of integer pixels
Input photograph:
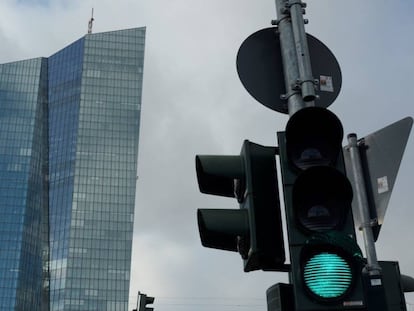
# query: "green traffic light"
{"type": "Point", "coordinates": [327, 275]}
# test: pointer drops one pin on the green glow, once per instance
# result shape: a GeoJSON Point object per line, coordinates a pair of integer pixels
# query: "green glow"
{"type": "Point", "coordinates": [327, 275]}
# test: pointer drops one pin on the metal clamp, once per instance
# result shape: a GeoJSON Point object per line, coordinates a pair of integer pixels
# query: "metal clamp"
{"type": "Point", "coordinates": [288, 5]}
{"type": "Point", "coordinates": [294, 2]}
{"type": "Point", "coordinates": [276, 22]}
{"type": "Point", "coordinates": [371, 223]}
{"type": "Point", "coordinates": [298, 83]}
{"type": "Point", "coordinates": [288, 95]}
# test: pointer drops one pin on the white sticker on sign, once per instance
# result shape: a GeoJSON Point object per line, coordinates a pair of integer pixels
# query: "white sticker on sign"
{"type": "Point", "coordinates": [382, 183]}
{"type": "Point", "coordinates": [326, 83]}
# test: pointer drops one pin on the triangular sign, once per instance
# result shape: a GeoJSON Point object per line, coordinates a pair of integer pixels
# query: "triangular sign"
{"type": "Point", "coordinates": [381, 153]}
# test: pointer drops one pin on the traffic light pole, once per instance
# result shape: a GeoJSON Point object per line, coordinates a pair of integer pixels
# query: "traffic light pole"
{"type": "Point", "coordinates": [300, 85]}
{"type": "Point", "coordinates": [360, 196]}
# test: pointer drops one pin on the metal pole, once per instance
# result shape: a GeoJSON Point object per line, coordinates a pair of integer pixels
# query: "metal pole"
{"type": "Point", "coordinates": [138, 301]}
{"type": "Point", "coordinates": [299, 82]}
{"type": "Point", "coordinates": [297, 9]}
{"type": "Point", "coordinates": [360, 196]}
{"type": "Point", "coordinates": [288, 52]}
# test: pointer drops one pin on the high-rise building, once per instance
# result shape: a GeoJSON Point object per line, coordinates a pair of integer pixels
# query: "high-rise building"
{"type": "Point", "coordinates": [69, 127]}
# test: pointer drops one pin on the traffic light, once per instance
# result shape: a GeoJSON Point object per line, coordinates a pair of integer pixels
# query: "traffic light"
{"type": "Point", "coordinates": [145, 300]}
{"type": "Point", "coordinates": [326, 262]}
{"type": "Point", "coordinates": [254, 230]}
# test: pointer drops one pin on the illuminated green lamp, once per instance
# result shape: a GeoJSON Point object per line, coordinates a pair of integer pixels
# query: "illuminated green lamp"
{"type": "Point", "coordinates": [327, 275]}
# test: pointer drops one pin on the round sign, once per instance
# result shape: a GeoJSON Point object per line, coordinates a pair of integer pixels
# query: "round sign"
{"type": "Point", "coordinates": [260, 68]}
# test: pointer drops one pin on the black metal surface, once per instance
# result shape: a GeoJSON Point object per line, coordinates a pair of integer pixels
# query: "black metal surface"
{"type": "Point", "coordinates": [260, 68]}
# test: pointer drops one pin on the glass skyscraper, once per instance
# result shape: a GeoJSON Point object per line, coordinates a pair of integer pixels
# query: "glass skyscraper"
{"type": "Point", "coordinates": [69, 127]}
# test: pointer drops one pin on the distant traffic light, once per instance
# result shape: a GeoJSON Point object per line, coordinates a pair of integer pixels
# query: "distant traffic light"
{"type": "Point", "coordinates": [143, 301]}
{"type": "Point", "coordinates": [255, 230]}
{"type": "Point", "coordinates": [325, 258]}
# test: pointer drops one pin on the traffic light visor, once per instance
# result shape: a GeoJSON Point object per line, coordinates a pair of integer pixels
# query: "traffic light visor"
{"type": "Point", "coordinates": [221, 228]}
{"type": "Point", "coordinates": [217, 175]}
{"type": "Point", "coordinates": [313, 137]}
{"type": "Point", "coordinates": [322, 196]}
{"type": "Point", "coordinates": [149, 300]}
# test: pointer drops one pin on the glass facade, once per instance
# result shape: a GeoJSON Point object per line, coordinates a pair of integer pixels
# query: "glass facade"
{"type": "Point", "coordinates": [23, 190]}
{"type": "Point", "coordinates": [68, 158]}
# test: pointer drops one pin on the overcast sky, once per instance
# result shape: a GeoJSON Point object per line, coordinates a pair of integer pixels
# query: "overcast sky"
{"type": "Point", "coordinates": [194, 103]}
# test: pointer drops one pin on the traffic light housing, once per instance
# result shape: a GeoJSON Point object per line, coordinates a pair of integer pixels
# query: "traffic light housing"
{"type": "Point", "coordinates": [145, 300]}
{"type": "Point", "coordinates": [326, 262]}
{"type": "Point", "coordinates": [254, 230]}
